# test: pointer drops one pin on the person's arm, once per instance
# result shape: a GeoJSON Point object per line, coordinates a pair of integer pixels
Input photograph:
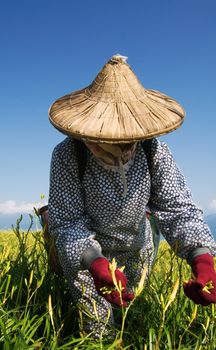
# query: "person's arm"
{"type": "Point", "coordinates": [68, 222]}
{"type": "Point", "coordinates": [179, 219]}
{"type": "Point", "coordinates": [181, 222]}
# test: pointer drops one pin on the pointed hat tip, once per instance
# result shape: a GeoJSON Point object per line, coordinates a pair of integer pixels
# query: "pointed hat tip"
{"type": "Point", "coordinates": [119, 58]}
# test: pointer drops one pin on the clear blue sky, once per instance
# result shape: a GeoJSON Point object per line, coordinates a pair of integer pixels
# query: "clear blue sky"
{"type": "Point", "coordinates": [49, 48]}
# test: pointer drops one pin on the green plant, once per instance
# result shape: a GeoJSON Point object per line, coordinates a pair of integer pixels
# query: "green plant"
{"type": "Point", "coordinates": [37, 312]}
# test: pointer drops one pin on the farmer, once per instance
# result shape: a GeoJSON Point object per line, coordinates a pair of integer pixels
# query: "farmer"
{"type": "Point", "coordinates": [101, 215]}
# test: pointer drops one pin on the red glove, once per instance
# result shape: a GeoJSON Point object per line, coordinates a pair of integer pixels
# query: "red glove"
{"type": "Point", "coordinates": [202, 289]}
{"type": "Point", "coordinates": [103, 279]}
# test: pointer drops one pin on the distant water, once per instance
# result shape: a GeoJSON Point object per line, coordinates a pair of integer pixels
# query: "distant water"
{"type": "Point", "coordinates": [6, 222]}
{"type": "Point", "coordinates": [211, 221]}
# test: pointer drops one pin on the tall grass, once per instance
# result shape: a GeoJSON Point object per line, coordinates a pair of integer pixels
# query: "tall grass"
{"type": "Point", "coordinates": [36, 310]}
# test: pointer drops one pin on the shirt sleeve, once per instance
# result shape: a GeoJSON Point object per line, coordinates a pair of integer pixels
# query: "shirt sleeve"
{"type": "Point", "coordinates": [68, 222]}
{"type": "Point", "coordinates": [179, 219]}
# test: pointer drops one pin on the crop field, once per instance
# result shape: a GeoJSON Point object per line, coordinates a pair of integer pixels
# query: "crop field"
{"type": "Point", "coordinates": [37, 312]}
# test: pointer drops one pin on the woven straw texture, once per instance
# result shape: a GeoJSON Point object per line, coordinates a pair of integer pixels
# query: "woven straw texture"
{"type": "Point", "coordinates": [116, 108]}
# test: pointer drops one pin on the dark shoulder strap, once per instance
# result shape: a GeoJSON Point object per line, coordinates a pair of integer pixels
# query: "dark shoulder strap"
{"type": "Point", "coordinates": [147, 147]}
{"type": "Point", "coordinates": [81, 153]}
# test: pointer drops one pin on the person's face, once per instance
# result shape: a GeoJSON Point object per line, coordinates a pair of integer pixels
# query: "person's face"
{"type": "Point", "coordinates": [118, 147]}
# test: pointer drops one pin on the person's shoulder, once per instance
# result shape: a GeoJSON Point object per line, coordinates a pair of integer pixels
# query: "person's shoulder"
{"type": "Point", "coordinates": [63, 149]}
{"type": "Point", "coordinates": [64, 145]}
{"type": "Point", "coordinates": [160, 151]}
{"type": "Point", "coordinates": [158, 146]}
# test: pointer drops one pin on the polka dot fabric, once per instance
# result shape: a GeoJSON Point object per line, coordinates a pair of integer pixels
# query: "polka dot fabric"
{"type": "Point", "coordinates": [179, 219]}
{"type": "Point", "coordinates": [96, 214]}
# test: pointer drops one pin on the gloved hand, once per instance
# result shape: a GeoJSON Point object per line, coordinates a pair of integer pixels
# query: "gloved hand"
{"type": "Point", "coordinates": [202, 289]}
{"type": "Point", "coordinates": [101, 274]}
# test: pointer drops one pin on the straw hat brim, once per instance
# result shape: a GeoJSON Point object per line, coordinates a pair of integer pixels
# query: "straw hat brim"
{"type": "Point", "coordinates": [130, 113]}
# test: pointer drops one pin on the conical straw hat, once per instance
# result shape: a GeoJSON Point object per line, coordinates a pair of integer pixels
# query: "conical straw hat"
{"type": "Point", "coordinates": [116, 108]}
